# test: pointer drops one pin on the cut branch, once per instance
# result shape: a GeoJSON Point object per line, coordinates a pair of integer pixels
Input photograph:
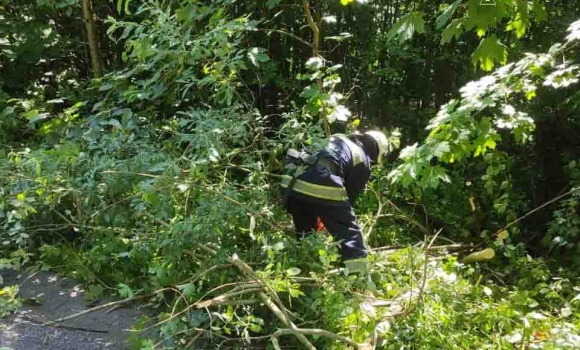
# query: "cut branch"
{"type": "Point", "coordinates": [276, 309]}
{"type": "Point", "coordinates": [104, 306]}
{"type": "Point", "coordinates": [397, 307]}
{"type": "Point", "coordinates": [313, 331]}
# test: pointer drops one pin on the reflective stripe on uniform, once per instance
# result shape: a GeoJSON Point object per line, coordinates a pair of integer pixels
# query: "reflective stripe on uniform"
{"type": "Point", "coordinates": [358, 155]}
{"type": "Point", "coordinates": [313, 190]}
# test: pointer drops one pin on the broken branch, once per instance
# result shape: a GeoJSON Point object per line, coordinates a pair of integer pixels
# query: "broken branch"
{"type": "Point", "coordinates": [312, 331]}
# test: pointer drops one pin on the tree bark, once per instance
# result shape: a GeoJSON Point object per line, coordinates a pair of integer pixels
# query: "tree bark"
{"type": "Point", "coordinates": [95, 53]}
{"type": "Point", "coordinates": [313, 27]}
{"type": "Point", "coordinates": [315, 45]}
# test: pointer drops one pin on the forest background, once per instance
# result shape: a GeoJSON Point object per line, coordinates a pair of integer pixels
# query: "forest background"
{"type": "Point", "coordinates": [138, 139]}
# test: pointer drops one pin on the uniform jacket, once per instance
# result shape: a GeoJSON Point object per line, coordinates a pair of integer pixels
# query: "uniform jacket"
{"type": "Point", "coordinates": [353, 171]}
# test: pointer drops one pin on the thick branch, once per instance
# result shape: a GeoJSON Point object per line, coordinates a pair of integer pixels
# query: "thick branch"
{"type": "Point", "coordinates": [88, 16]}
{"type": "Point", "coordinates": [313, 331]}
{"type": "Point", "coordinates": [105, 306]}
{"type": "Point", "coordinates": [397, 307]}
{"type": "Point", "coordinates": [431, 249]}
{"type": "Point", "coordinates": [276, 309]}
{"type": "Point", "coordinates": [224, 298]}
{"type": "Point", "coordinates": [315, 45]}
{"type": "Point", "coordinates": [313, 27]}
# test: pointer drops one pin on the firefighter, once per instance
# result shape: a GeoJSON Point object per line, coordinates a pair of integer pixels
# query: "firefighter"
{"type": "Point", "coordinates": [327, 189]}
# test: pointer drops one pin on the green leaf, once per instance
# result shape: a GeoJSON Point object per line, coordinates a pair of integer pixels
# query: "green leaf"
{"type": "Point", "coordinates": [540, 11]}
{"type": "Point", "coordinates": [252, 53]}
{"type": "Point", "coordinates": [314, 63]}
{"type": "Point", "coordinates": [113, 122]}
{"type": "Point", "coordinates": [441, 148]}
{"type": "Point", "coordinates": [293, 271]}
{"type": "Point", "coordinates": [453, 30]}
{"type": "Point", "coordinates": [489, 52]}
{"type": "Point", "coordinates": [127, 10]}
{"type": "Point", "coordinates": [408, 151]}
{"type": "Point", "coordinates": [188, 289]}
{"type": "Point", "coordinates": [310, 91]}
{"type": "Point", "coordinates": [447, 14]}
{"type": "Point", "coordinates": [334, 68]}
{"type": "Point", "coordinates": [94, 292]}
{"type": "Point", "coordinates": [522, 10]}
{"type": "Point", "coordinates": [518, 26]}
{"type": "Point", "coordinates": [119, 6]}
{"type": "Point", "coordinates": [482, 16]}
{"type": "Point", "coordinates": [503, 235]}
{"type": "Point", "coordinates": [407, 26]}
{"type": "Point", "coordinates": [270, 4]}
{"type": "Point", "coordinates": [435, 176]}
{"type": "Point", "coordinates": [257, 56]}
{"type": "Point", "coordinates": [346, 2]}
{"type": "Point", "coordinates": [34, 116]}
{"type": "Point", "coordinates": [340, 37]}
{"type": "Point", "coordinates": [125, 291]}
{"type": "Point", "coordinates": [106, 87]}
{"type": "Point", "coordinates": [500, 208]}
{"type": "Point", "coordinates": [31, 114]}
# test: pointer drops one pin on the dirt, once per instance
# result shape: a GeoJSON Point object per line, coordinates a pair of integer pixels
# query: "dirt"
{"type": "Point", "coordinates": [104, 329]}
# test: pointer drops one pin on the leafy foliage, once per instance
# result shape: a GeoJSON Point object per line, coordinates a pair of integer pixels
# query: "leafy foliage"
{"type": "Point", "coordinates": [9, 301]}
{"type": "Point", "coordinates": [119, 181]}
{"type": "Point", "coordinates": [407, 26]}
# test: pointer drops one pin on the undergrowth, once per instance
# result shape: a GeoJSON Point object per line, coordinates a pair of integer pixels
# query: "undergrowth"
{"type": "Point", "coordinates": [157, 183]}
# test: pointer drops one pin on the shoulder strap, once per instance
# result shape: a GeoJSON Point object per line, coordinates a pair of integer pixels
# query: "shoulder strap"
{"type": "Point", "coordinates": [358, 155]}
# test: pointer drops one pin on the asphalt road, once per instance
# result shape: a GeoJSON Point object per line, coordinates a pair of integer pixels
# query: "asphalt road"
{"type": "Point", "coordinates": [105, 329]}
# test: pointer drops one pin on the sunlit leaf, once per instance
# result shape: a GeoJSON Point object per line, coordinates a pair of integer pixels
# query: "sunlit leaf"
{"type": "Point", "coordinates": [489, 52]}
{"type": "Point", "coordinates": [453, 30]}
{"type": "Point", "coordinates": [293, 271]}
{"type": "Point", "coordinates": [127, 9]}
{"type": "Point", "coordinates": [314, 63]}
{"type": "Point", "coordinates": [444, 18]}
{"type": "Point", "coordinates": [407, 26]}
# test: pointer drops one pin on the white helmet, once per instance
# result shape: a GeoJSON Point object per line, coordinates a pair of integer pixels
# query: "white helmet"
{"type": "Point", "coordinates": [381, 141]}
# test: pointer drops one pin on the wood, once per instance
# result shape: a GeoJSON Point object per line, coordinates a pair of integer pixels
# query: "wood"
{"type": "Point", "coordinates": [104, 306]}
{"type": "Point", "coordinates": [95, 53]}
{"type": "Point", "coordinates": [397, 307]}
{"type": "Point", "coordinates": [313, 27]}
{"type": "Point", "coordinates": [314, 331]}
{"type": "Point", "coordinates": [315, 48]}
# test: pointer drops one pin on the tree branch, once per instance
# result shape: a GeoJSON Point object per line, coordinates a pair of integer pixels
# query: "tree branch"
{"type": "Point", "coordinates": [536, 209]}
{"type": "Point", "coordinates": [104, 306]}
{"type": "Point", "coordinates": [313, 27]}
{"type": "Point", "coordinates": [313, 331]}
{"type": "Point", "coordinates": [426, 264]}
{"type": "Point", "coordinates": [276, 309]}
{"type": "Point", "coordinates": [287, 34]}
{"type": "Point", "coordinates": [315, 46]}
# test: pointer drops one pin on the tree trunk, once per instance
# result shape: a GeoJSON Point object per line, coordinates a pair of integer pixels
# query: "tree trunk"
{"type": "Point", "coordinates": [89, 19]}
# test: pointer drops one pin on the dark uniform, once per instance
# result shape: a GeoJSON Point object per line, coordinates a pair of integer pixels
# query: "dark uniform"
{"type": "Point", "coordinates": [327, 189]}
